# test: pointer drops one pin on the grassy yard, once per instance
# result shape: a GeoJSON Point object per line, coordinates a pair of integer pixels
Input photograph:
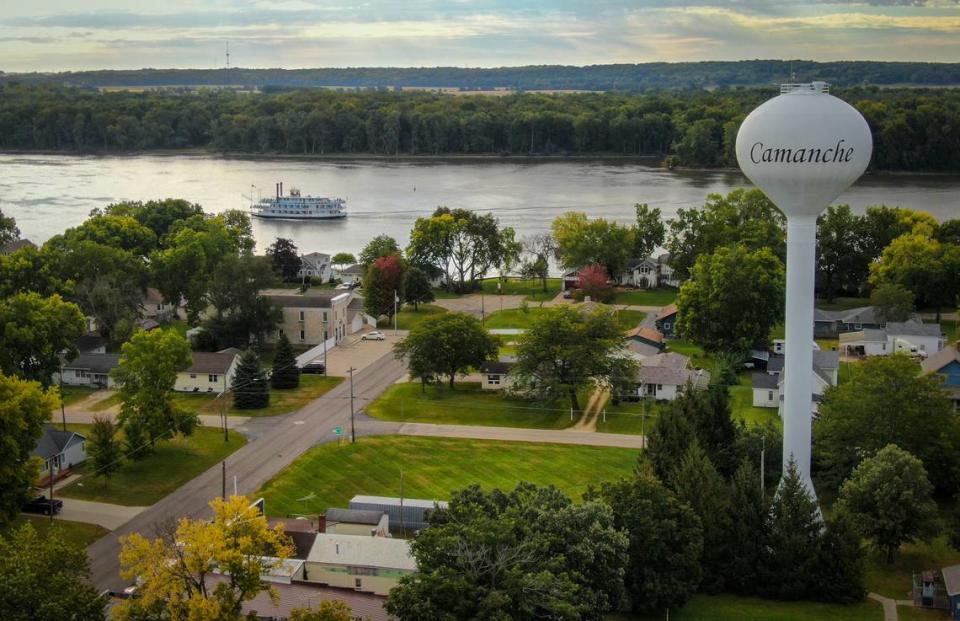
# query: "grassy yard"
{"type": "Point", "coordinates": [408, 317]}
{"type": "Point", "coordinates": [628, 417]}
{"type": "Point", "coordinates": [630, 318]}
{"type": "Point", "coordinates": [144, 482]}
{"type": "Point", "coordinates": [532, 289]}
{"type": "Point", "coordinates": [741, 402]}
{"type": "Point", "coordinates": [468, 404]}
{"type": "Point", "coordinates": [649, 297]}
{"type": "Point", "coordinates": [330, 474]}
{"type": "Point", "coordinates": [79, 533]}
{"type": "Point", "coordinates": [951, 328]}
{"type": "Point", "coordinates": [734, 608]}
{"type": "Point", "coordinates": [71, 395]}
{"type": "Point", "coordinates": [908, 613]}
{"type": "Point", "coordinates": [895, 580]}
{"type": "Point", "coordinates": [513, 318]}
{"type": "Point", "coordinates": [698, 358]}
{"type": "Point", "coordinates": [281, 401]}
{"type": "Point", "coordinates": [105, 404]}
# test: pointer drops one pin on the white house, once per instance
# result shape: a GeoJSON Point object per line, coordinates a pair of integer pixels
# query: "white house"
{"type": "Point", "coordinates": [89, 370]}
{"type": "Point", "coordinates": [665, 376]}
{"type": "Point", "coordinates": [495, 374]}
{"type": "Point", "coordinates": [155, 306]}
{"type": "Point", "coordinates": [59, 451]}
{"type": "Point", "coordinates": [372, 564]}
{"type": "Point", "coordinates": [315, 265]}
{"type": "Point", "coordinates": [639, 272]}
{"type": "Point", "coordinates": [350, 274]}
{"type": "Point", "coordinates": [768, 387]}
{"type": "Point", "coordinates": [665, 274]}
{"type": "Point", "coordinates": [912, 337]}
{"type": "Point", "coordinates": [208, 372]}
{"type": "Point", "coordinates": [91, 344]}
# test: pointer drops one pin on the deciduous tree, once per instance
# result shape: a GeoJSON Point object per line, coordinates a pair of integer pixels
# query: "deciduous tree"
{"type": "Point", "coordinates": [103, 448]}
{"type": "Point", "coordinates": [581, 241]}
{"type": "Point", "coordinates": [330, 610]}
{"type": "Point", "coordinates": [35, 332]}
{"type": "Point", "coordinates": [923, 265]}
{"type": "Point", "coordinates": [343, 259]}
{"type": "Point", "coordinates": [383, 286]}
{"type": "Point", "coordinates": [649, 231]}
{"type": "Point", "coordinates": [416, 287]}
{"type": "Point", "coordinates": [449, 345]}
{"type": "Point", "coordinates": [379, 246]}
{"type": "Point", "coordinates": [841, 258]}
{"type": "Point", "coordinates": [284, 259]}
{"type": "Point", "coordinates": [592, 280]}
{"type": "Point", "coordinates": [8, 230]}
{"type": "Point", "coordinates": [892, 302]}
{"type": "Point", "coordinates": [242, 314]}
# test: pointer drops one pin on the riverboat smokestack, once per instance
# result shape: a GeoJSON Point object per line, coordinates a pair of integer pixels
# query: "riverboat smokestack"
{"type": "Point", "coordinates": [802, 148]}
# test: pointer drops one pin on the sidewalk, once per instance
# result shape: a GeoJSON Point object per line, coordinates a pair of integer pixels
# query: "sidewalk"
{"type": "Point", "coordinates": [206, 420]}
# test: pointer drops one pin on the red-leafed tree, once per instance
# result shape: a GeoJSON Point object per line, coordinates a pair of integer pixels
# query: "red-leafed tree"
{"type": "Point", "coordinates": [592, 280]}
{"type": "Point", "coordinates": [384, 280]}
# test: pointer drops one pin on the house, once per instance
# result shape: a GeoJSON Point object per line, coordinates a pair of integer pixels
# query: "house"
{"type": "Point", "coordinates": [313, 317]}
{"type": "Point", "coordinates": [666, 320]}
{"type": "Point", "coordinates": [768, 387]}
{"type": "Point", "coordinates": [357, 522]}
{"type": "Point", "coordinates": [91, 343]}
{"type": "Point", "coordinates": [665, 376]}
{"type": "Point", "coordinates": [946, 364]}
{"type": "Point", "coordinates": [951, 583]}
{"type": "Point", "coordinates": [570, 279]}
{"type": "Point", "coordinates": [496, 373]}
{"type": "Point", "coordinates": [357, 318]}
{"type": "Point", "coordinates": [911, 337]}
{"type": "Point", "coordinates": [208, 372]}
{"type": "Point", "coordinates": [89, 370]}
{"type": "Point", "coordinates": [639, 272]}
{"type": "Point", "coordinates": [666, 277]}
{"type": "Point", "coordinates": [155, 306]}
{"type": "Point", "coordinates": [645, 341]}
{"type": "Point", "coordinates": [406, 514]}
{"type": "Point", "coordinates": [59, 451]}
{"type": "Point", "coordinates": [831, 324]}
{"type": "Point", "coordinates": [351, 274]}
{"type": "Point", "coordinates": [315, 265]}
{"type": "Point", "coordinates": [371, 564]}
{"type": "Point", "coordinates": [17, 244]}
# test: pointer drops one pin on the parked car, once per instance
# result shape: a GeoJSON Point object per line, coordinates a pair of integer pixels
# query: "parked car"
{"type": "Point", "coordinates": [342, 286]}
{"type": "Point", "coordinates": [376, 335]}
{"type": "Point", "coordinates": [568, 294]}
{"type": "Point", "coordinates": [314, 367]}
{"type": "Point", "coordinates": [42, 504]}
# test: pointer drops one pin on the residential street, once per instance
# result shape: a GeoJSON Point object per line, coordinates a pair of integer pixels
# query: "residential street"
{"type": "Point", "coordinates": [556, 436]}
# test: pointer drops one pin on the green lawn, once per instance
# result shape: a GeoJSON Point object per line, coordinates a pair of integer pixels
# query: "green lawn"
{"type": "Point", "coordinates": [698, 358]}
{"type": "Point", "coordinates": [649, 297]}
{"type": "Point", "coordinates": [512, 318]}
{"type": "Point", "coordinates": [842, 303]}
{"type": "Point", "coordinates": [105, 404]}
{"type": "Point", "coordinates": [468, 404]}
{"type": "Point", "coordinates": [741, 402]}
{"type": "Point", "coordinates": [895, 580]}
{"type": "Point", "coordinates": [281, 401]}
{"type": "Point", "coordinates": [407, 318]}
{"type": "Point", "coordinates": [144, 482]}
{"type": "Point", "coordinates": [79, 533]}
{"type": "Point", "coordinates": [908, 613]}
{"type": "Point", "coordinates": [630, 318]}
{"type": "Point", "coordinates": [734, 608]}
{"type": "Point", "coordinates": [627, 417]}
{"type": "Point", "coordinates": [75, 394]}
{"type": "Point", "coordinates": [951, 328]}
{"type": "Point", "coordinates": [532, 289]}
{"type": "Point", "coordinates": [330, 474]}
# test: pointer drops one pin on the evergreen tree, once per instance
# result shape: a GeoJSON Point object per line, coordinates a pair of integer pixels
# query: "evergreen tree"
{"type": "Point", "coordinates": [416, 287]}
{"type": "Point", "coordinates": [671, 435]}
{"type": "Point", "coordinates": [250, 389]}
{"type": "Point", "coordinates": [788, 566]}
{"type": "Point", "coordinates": [696, 482]}
{"type": "Point", "coordinates": [285, 373]}
{"type": "Point", "coordinates": [839, 570]}
{"type": "Point", "coordinates": [103, 448]}
{"type": "Point", "coordinates": [716, 430]}
{"type": "Point", "coordinates": [747, 523]}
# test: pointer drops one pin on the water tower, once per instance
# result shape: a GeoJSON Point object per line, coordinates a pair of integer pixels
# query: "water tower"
{"type": "Point", "coordinates": [802, 148]}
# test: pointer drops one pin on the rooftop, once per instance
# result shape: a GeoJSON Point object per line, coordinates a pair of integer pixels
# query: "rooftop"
{"type": "Point", "coordinates": [313, 298]}
{"type": "Point", "coordinates": [667, 311]}
{"type": "Point", "coordinates": [764, 381]}
{"type": "Point", "coordinates": [950, 353]}
{"type": "Point", "coordinates": [212, 363]}
{"type": "Point", "coordinates": [94, 363]}
{"type": "Point", "coordinates": [353, 516]}
{"type": "Point", "coordinates": [395, 502]}
{"type": "Point", "coordinates": [53, 441]}
{"type": "Point", "coordinates": [355, 551]}
{"type": "Point", "coordinates": [914, 328]}
{"type": "Point", "coordinates": [646, 332]}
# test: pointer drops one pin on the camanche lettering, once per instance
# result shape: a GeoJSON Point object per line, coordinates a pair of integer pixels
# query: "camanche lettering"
{"type": "Point", "coordinates": [759, 153]}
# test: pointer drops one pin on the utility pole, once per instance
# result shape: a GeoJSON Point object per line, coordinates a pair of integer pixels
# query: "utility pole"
{"type": "Point", "coordinates": [223, 480]}
{"type": "Point", "coordinates": [763, 450]}
{"type": "Point", "coordinates": [353, 434]}
{"type": "Point", "coordinates": [63, 411]}
{"type": "Point", "coordinates": [403, 528]}
{"type": "Point", "coordinates": [396, 299]}
{"type": "Point", "coordinates": [481, 307]}
{"type": "Point", "coordinates": [52, 510]}
{"type": "Point", "coordinates": [324, 346]}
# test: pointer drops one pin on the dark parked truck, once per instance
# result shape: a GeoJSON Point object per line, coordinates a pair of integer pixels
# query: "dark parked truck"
{"type": "Point", "coordinates": [44, 505]}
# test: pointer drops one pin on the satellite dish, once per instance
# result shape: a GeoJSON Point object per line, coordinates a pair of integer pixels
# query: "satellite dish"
{"type": "Point", "coordinates": [804, 148]}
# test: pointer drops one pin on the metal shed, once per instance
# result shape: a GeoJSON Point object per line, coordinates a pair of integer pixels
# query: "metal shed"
{"type": "Point", "coordinates": [414, 510]}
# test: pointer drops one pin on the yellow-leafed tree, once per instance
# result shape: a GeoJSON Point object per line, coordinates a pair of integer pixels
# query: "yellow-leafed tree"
{"type": "Point", "coordinates": [202, 570]}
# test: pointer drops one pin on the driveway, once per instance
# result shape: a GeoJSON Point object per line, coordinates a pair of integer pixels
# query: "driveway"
{"type": "Point", "coordinates": [359, 353]}
{"type": "Point", "coordinates": [106, 515]}
{"type": "Point", "coordinates": [77, 415]}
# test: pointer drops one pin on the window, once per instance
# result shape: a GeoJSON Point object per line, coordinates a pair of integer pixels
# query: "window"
{"type": "Point", "coordinates": [213, 378]}
{"type": "Point", "coordinates": [358, 582]}
{"type": "Point", "coordinates": [193, 376]}
{"type": "Point", "coordinates": [769, 395]}
{"type": "Point", "coordinates": [76, 373]}
{"type": "Point", "coordinates": [279, 332]}
{"type": "Point", "coordinates": [857, 326]}
{"type": "Point", "coordinates": [301, 315]}
{"type": "Point", "coordinates": [302, 335]}
{"type": "Point", "coordinates": [493, 379]}
{"type": "Point", "coordinates": [923, 348]}
{"type": "Point", "coordinates": [159, 306]}
{"type": "Point", "coordinates": [666, 325]}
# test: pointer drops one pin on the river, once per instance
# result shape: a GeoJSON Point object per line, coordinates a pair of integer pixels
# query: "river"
{"type": "Point", "coordinates": [49, 193]}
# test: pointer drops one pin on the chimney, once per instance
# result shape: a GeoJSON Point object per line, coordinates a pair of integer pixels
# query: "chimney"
{"type": "Point", "coordinates": [281, 188]}
{"type": "Point", "coordinates": [322, 523]}
{"type": "Point", "coordinates": [276, 186]}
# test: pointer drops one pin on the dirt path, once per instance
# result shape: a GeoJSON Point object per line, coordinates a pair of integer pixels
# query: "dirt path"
{"type": "Point", "coordinates": [592, 411]}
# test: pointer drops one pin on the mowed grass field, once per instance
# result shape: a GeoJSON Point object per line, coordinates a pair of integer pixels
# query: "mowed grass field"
{"type": "Point", "coordinates": [144, 482]}
{"type": "Point", "coordinates": [408, 317]}
{"type": "Point", "coordinates": [648, 297]}
{"type": "Point", "coordinates": [532, 289]}
{"type": "Point", "coordinates": [733, 608]}
{"type": "Point", "coordinates": [330, 475]}
{"type": "Point", "coordinates": [468, 404]}
{"type": "Point", "coordinates": [281, 401]}
{"type": "Point", "coordinates": [79, 533]}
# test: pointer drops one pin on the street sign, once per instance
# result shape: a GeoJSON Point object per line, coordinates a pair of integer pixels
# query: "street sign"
{"type": "Point", "coordinates": [338, 431]}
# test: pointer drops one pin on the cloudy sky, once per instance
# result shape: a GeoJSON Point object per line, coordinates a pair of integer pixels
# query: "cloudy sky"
{"type": "Point", "coordinates": [52, 35]}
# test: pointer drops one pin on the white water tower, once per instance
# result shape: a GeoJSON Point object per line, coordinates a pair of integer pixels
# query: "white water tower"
{"type": "Point", "coordinates": [802, 148]}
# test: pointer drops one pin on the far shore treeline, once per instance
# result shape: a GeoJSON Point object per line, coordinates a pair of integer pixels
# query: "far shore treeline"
{"type": "Point", "coordinates": [913, 129]}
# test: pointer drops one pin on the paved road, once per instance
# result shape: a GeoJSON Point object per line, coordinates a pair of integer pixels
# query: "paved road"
{"type": "Point", "coordinates": [555, 436]}
{"type": "Point", "coordinates": [276, 443]}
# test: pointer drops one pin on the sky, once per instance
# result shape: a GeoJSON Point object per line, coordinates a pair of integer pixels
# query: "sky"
{"type": "Point", "coordinates": [66, 35]}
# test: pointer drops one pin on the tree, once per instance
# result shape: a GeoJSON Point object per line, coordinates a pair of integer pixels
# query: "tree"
{"type": "Point", "coordinates": [892, 302]}
{"type": "Point", "coordinates": [745, 217]}
{"type": "Point", "coordinates": [159, 216]}
{"type": "Point", "coordinates": [383, 285]}
{"type": "Point", "coordinates": [285, 372]}
{"type": "Point", "coordinates": [886, 402]}
{"type": "Point", "coordinates": [343, 259]}
{"type": "Point", "coordinates": [841, 260]}
{"type": "Point", "coordinates": [35, 332]}
{"type": "Point", "coordinates": [24, 407]}
{"type": "Point", "coordinates": [103, 448]}
{"type": "Point", "coordinates": [145, 375]}
{"type": "Point", "coordinates": [330, 610]}
{"type": "Point", "coordinates": [284, 259]}
{"type": "Point", "coordinates": [241, 313]}
{"type": "Point", "coordinates": [449, 345]}
{"type": "Point", "coordinates": [538, 250]}
{"type": "Point", "coordinates": [460, 243]}
{"type": "Point", "coordinates": [649, 231]}
{"type": "Point", "coordinates": [923, 265]}
{"type": "Point", "coordinates": [747, 519]}
{"type": "Point", "coordinates": [733, 299]}
{"type": "Point", "coordinates": [177, 570]}
{"type": "Point", "coordinates": [379, 246]}
{"type": "Point", "coordinates": [46, 578]}
{"type": "Point", "coordinates": [665, 541]}
{"type": "Point", "coordinates": [250, 388]}
{"type": "Point", "coordinates": [8, 230]}
{"type": "Point", "coordinates": [563, 352]}
{"type": "Point", "coordinates": [514, 555]}
{"type": "Point", "coordinates": [671, 434]}
{"type": "Point", "coordinates": [581, 241]}
{"type": "Point", "coordinates": [416, 287]}
{"type": "Point", "coordinates": [592, 280]}
{"type": "Point", "coordinates": [840, 575]}
{"type": "Point", "coordinates": [890, 499]}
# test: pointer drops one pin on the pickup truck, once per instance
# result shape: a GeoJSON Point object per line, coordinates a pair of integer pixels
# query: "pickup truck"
{"type": "Point", "coordinates": [42, 504]}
